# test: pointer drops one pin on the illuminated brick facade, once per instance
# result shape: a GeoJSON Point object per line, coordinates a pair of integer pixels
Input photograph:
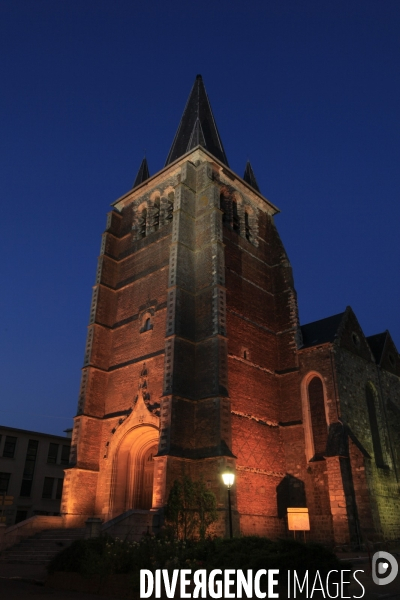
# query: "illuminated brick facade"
{"type": "Point", "coordinates": [195, 359]}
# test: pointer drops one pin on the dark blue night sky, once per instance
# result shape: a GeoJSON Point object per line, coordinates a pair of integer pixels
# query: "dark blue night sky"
{"type": "Point", "coordinates": [309, 91]}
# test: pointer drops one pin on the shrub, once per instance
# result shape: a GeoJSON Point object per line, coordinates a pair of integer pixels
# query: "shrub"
{"type": "Point", "coordinates": [104, 555]}
{"type": "Point", "coordinates": [191, 508]}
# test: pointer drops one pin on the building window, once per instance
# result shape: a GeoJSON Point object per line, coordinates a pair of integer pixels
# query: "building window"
{"type": "Point", "coordinates": [170, 207]}
{"type": "Point", "coordinates": [245, 353]}
{"type": "Point", "coordinates": [27, 477]}
{"type": "Point", "coordinates": [156, 215]}
{"type": "Point", "coordinates": [4, 482]}
{"type": "Point", "coordinates": [48, 487]}
{"type": "Point", "coordinates": [247, 226]}
{"type": "Point", "coordinates": [142, 223]}
{"type": "Point", "coordinates": [314, 416]}
{"type": "Point", "coordinates": [59, 488]}
{"type": "Point", "coordinates": [52, 454]}
{"type": "Point", "coordinates": [223, 207]}
{"type": "Point", "coordinates": [65, 455]}
{"type": "Point", "coordinates": [318, 417]}
{"type": "Point", "coordinates": [147, 325]}
{"type": "Point", "coordinates": [235, 217]}
{"type": "Point", "coordinates": [372, 398]}
{"type": "Point", "coordinates": [9, 446]}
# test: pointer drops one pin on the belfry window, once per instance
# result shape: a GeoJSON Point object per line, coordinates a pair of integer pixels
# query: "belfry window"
{"type": "Point", "coordinates": [156, 215]}
{"type": "Point", "coordinates": [247, 226]}
{"type": "Point", "coordinates": [170, 207]}
{"type": "Point", "coordinates": [235, 217]}
{"type": "Point", "coordinates": [223, 207]}
{"type": "Point", "coordinates": [142, 223]}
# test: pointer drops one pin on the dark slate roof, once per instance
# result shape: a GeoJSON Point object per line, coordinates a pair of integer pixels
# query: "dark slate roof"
{"type": "Point", "coordinates": [377, 343]}
{"type": "Point", "coordinates": [322, 331]}
{"type": "Point", "coordinates": [197, 127]}
{"type": "Point", "coordinates": [249, 176]}
{"type": "Point", "coordinates": [142, 174]}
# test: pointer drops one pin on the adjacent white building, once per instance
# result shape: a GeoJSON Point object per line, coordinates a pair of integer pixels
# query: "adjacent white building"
{"type": "Point", "coordinates": [32, 472]}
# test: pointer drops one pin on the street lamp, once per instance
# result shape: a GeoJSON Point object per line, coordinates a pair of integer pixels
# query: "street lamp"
{"type": "Point", "coordinates": [228, 477]}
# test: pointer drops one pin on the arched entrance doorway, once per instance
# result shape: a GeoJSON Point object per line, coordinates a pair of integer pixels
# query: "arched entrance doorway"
{"type": "Point", "coordinates": [133, 470]}
{"type": "Point", "coordinates": [143, 476]}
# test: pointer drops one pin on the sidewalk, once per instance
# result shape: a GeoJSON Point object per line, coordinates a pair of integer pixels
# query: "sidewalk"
{"type": "Point", "coordinates": [21, 581]}
{"type": "Point", "coordinates": [361, 561]}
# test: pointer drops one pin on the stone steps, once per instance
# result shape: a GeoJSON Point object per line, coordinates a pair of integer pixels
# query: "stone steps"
{"type": "Point", "coordinates": [42, 547]}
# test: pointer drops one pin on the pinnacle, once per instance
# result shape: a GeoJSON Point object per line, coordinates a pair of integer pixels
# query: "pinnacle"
{"type": "Point", "coordinates": [142, 174]}
{"type": "Point", "coordinates": [249, 176]}
{"type": "Point", "coordinates": [197, 127]}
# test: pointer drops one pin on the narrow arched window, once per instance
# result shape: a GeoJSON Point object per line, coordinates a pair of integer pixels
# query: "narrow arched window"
{"type": "Point", "coordinates": [247, 226]}
{"type": "Point", "coordinates": [317, 416]}
{"type": "Point", "coordinates": [156, 215]}
{"type": "Point", "coordinates": [170, 207]}
{"type": "Point", "coordinates": [235, 217]}
{"type": "Point", "coordinates": [147, 325]}
{"type": "Point", "coordinates": [371, 397]}
{"type": "Point", "coordinates": [223, 207]}
{"type": "Point", "coordinates": [142, 223]}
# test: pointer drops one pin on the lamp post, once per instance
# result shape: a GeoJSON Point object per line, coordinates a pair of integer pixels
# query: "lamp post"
{"type": "Point", "coordinates": [228, 477]}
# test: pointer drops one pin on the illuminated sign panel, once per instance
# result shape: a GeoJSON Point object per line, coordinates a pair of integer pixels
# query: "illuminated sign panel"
{"type": "Point", "coordinates": [298, 519]}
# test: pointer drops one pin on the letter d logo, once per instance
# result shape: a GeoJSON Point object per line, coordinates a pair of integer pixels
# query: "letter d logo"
{"type": "Point", "coordinates": [384, 568]}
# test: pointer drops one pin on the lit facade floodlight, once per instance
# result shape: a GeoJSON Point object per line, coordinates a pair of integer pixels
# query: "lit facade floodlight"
{"type": "Point", "coordinates": [228, 477]}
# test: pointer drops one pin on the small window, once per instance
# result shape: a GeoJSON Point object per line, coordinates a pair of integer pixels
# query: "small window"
{"type": "Point", "coordinates": [4, 482]}
{"type": "Point", "coordinates": [59, 488]}
{"type": "Point", "coordinates": [26, 488]}
{"type": "Point", "coordinates": [48, 487]}
{"type": "Point", "coordinates": [147, 325]}
{"type": "Point", "coordinates": [52, 454]}
{"type": "Point", "coordinates": [65, 455]}
{"type": "Point", "coordinates": [9, 446]}
{"type": "Point", "coordinates": [391, 360]}
{"type": "Point", "coordinates": [244, 353]}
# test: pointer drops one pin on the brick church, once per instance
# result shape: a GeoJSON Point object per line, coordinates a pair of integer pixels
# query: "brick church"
{"type": "Point", "coordinates": [196, 360]}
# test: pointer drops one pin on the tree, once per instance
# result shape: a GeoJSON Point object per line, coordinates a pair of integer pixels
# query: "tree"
{"type": "Point", "coordinates": [191, 508]}
{"type": "Point", "coordinates": [206, 505]}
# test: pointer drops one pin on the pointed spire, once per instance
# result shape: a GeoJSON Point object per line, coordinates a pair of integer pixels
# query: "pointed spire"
{"type": "Point", "coordinates": [249, 176]}
{"type": "Point", "coordinates": [142, 174]}
{"type": "Point", "coordinates": [197, 127]}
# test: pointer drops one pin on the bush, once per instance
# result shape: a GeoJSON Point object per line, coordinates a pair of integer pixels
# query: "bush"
{"type": "Point", "coordinates": [103, 556]}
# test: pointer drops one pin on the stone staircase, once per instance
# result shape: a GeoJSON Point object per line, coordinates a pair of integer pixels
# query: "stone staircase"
{"type": "Point", "coordinates": [41, 548]}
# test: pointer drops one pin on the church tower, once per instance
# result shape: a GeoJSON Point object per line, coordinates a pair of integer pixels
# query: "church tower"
{"type": "Point", "coordinates": [191, 340]}
{"type": "Point", "coordinates": [195, 362]}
